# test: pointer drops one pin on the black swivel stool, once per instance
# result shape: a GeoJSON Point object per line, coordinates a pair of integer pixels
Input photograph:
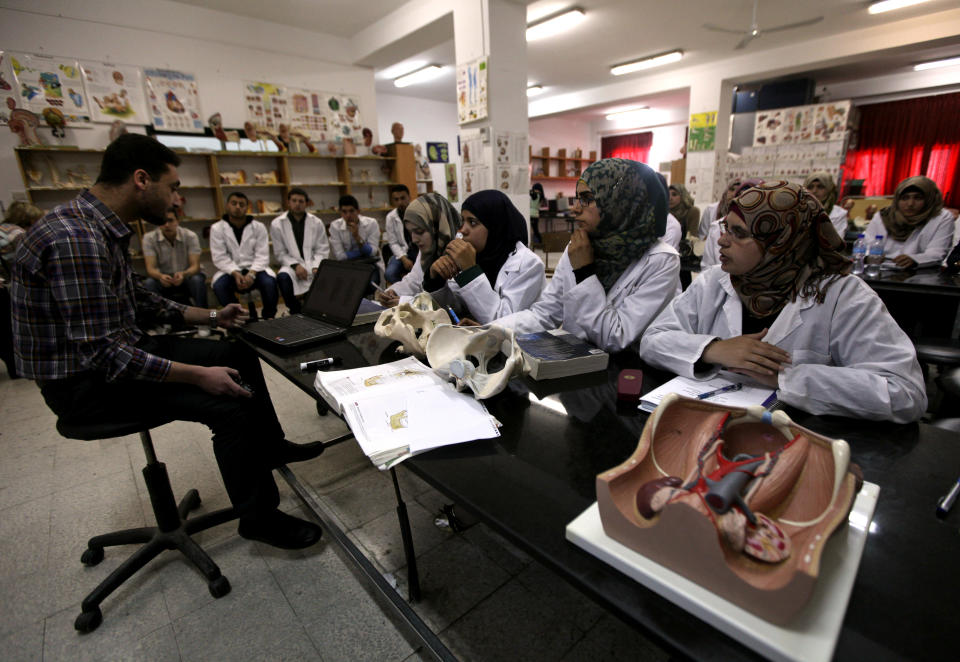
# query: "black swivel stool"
{"type": "Point", "coordinates": [172, 531]}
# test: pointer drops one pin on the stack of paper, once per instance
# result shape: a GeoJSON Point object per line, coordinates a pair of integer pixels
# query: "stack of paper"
{"type": "Point", "coordinates": [399, 409]}
{"type": "Point", "coordinates": [749, 393]}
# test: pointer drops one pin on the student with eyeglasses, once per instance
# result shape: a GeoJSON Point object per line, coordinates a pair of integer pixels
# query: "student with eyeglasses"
{"type": "Point", "coordinates": [615, 275]}
{"type": "Point", "coordinates": [782, 310]}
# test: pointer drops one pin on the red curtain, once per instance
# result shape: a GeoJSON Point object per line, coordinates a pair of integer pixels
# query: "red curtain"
{"type": "Point", "coordinates": [634, 146]}
{"type": "Point", "coordinates": [900, 139]}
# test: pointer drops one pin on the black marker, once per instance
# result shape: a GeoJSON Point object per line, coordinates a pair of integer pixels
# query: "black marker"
{"type": "Point", "coordinates": [313, 366]}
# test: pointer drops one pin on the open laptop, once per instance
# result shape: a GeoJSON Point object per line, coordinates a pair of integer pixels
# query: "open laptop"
{"type": "Point", "coordinates": [328, 309]}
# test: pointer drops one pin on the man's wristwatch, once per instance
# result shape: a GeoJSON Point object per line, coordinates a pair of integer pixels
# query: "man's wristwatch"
{"type": "Point", "coordinates": [213, 317]}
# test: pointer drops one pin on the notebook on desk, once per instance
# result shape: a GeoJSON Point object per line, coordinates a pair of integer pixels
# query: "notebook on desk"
{"type": "Point", "coordinates": [328, 309]}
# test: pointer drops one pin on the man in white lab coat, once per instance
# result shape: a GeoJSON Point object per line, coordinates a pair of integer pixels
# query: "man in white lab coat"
{"type": "Point", "coordinates": [240, 249]}
{"type": "Point", "coordinates": [403, 250]}
{"type": "Point", "coordinates": [299, 245]}
{"type": "Point", "coordinates": [356, 237]}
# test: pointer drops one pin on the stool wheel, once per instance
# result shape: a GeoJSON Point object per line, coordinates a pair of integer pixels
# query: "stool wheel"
{"type": "Point", "coordinates": [219, 587]}
{"type": "Point", "coordinates": [92, 556]}
{"type": "Point", "coordinates": [88, 621]}
{"type": "Point", "coordinates": [322, 408]}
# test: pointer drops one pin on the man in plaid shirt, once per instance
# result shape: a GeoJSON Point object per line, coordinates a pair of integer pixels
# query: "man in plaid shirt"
{"type": "Point", "coordinates": [75, 305]}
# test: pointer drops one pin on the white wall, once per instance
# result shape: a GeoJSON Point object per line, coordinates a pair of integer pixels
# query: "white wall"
{"type": "Point", "coordinates": [221, 49]}
{"type": "Point", "coordinates": [423, 121]}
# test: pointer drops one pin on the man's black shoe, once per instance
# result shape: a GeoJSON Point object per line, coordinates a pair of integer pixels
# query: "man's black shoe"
{"type": "Point", "coordinates": [290, 452]}
{"type": "Point", "coordinates": [280, 530]}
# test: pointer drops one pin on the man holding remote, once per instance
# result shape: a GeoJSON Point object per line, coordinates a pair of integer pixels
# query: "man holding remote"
{"type": "Point", "coordinates": [76, 303]}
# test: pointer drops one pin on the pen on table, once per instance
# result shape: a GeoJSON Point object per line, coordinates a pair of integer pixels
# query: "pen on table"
{"type": "Point", "coordinates": [453, 315]}
{"type": "Point", "coordinates": [946, 503]}
{"type": "Point", "coordinates": [313, 366]}
{"type": "Point", "coordinates": [725, 389]}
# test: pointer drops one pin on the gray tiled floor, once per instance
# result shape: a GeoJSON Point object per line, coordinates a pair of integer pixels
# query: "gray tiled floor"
{"type": "Point", "coordinates": [486, 599]}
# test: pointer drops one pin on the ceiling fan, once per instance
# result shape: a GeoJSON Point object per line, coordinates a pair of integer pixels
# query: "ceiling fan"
{"type": "Point", "coordinates": [755, 31]}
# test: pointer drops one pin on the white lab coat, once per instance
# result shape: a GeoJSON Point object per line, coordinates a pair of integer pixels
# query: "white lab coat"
{"type": "Point", "coordinates": [708, 216]}
{"type": "Point", "coordinates": [928, 246]}
{"type": "Point", "coordinates": [711, 250]}
{"type": "Point", "coordinates": [838, 218]}
{"type": "Point", "coordinates": [341, 240]}
{"type": "Point", "coordinates": [611, 320]}
{"type": "Point", "coordinates": [673, 233]}
{"type": "Point", "coordinates": [519, 284]}
{"type": "Point", "coordinates": [315, 248]}
{"type": "Point", "coordinates": [394, 231]}
{"type": "Point", "coordinates": [252, 253]}
{"type": "Point", "coordinates": [849, 357]}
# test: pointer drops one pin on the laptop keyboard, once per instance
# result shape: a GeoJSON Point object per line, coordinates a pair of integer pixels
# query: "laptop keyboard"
{"type": "Point", "coordinates": [294, 325]}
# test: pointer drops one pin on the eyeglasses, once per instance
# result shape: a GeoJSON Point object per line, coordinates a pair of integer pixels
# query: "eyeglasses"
{"type": "Point", "coordinates": [586, 198]}
{"type": "Point", "coordinates": [738, 231]}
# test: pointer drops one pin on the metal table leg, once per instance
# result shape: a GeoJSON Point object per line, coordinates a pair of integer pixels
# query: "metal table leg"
{"type": "Point", "coordinates": [413, 576]}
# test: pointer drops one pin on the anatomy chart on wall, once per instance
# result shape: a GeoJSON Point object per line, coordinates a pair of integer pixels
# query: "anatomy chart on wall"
{"type": "Point", "coordinates": [266, 105]}
{"type": "Point", "coordinates": [323, 116]}
{"type": "Point", "coordinates": [510, 148]}
{"type": "Point", "coordinates": [472, 91]}
{"type": "Point", "coordinates": [703, 132]}
{"type": "Point", "coordinates": [115, 92]}
{"type": "Point", "coordinates": [7, 89]}
{"type": "Point", "coordinates": [821, 122]}
{"type": "Point", "coordinates": [50, 84]}
{"type": "Point", "coordinates": [174, 100]}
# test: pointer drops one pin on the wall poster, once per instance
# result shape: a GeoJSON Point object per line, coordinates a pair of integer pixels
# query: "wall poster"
{"type": "Point", "coordinates": [450, 174]}
{"type": "Point", "coordinates": [115, 92]}
{"type": "Point", "coordinates": [8, 94]}
{"type": "Point", "coordinates": [174, 100]}
{"type": "Point", "coordinates": [703, 132]}
{"type": "Point", "coordinates": [323, 116]}
{"type": "Point", "coordinates": [266, 105]}
{"type": "Point", "coordinates": [50, 83]}
{"type": "Point", "coordinates": [438, 153]}
{"type": "Point", "coordinates": [472, 91]}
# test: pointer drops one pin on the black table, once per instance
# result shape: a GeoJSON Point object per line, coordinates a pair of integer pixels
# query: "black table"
{"type": "Point", "coordinates": [924, 302]}
{"type": "Point", "coordinates": [539, 475]}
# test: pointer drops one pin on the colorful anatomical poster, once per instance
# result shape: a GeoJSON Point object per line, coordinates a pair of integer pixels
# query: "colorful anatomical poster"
{"type": "Point", "coordinates": [8, 93]}
{"type": "Point", "coordinates": [450, 174]}
{"type": "Point", "coordinates": [438, 153]}
{"type": "Point", "coordinates": [472, 91]}
{"type": "Point", "coordinates": [174, 100]}
{"type": "Point", "coordinates": [266, 105]}
{"type": "Point", "coordinates": [50, 84]}
{"type": "Point", "coordinates": [703, 132]}
{"type": "Point", "coordinates": [115, 92]}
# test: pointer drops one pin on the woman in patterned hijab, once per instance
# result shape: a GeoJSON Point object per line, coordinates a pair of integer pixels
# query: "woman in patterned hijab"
{"type": "Point", "coordinates": [800, 247]}
{"type": "Point", "coordinates": [899, 225]}
{"type": "Point", "coordinates": [632, 205]}
{"type": "Point", "coordinates": [432, 222]}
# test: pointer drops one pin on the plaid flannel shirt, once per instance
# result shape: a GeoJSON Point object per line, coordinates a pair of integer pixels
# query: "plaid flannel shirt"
{"type": "Point", "coordinates": [75, 298]}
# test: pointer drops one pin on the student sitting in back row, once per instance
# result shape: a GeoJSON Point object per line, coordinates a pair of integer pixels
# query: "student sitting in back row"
{"type": "Point", "coordinates": [299, 245]}
{"type": "Point", "coordinates": [782, 310]}
{"type": "Point", "coordinates": [355, 237]}
{"type": "Point", "coordinates": [917, 230]}
{"type": "Point", "coordinates": [402, 250]}
{"type": "Point", "coordinates": [615, 276]}
{"type": "Point", "coordinates": [171, 256]}
{"type": "Point", "coordinates": [240, 249]}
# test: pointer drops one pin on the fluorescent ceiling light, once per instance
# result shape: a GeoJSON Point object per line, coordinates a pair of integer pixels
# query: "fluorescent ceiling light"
{"type": "Point", "coordinates": [890, 5]}
{"type": "Point", "coordinates": [646, 63]}
{"type": "Point", "coordinates": [555, 24]}
{"type": "Point", "coordinates": [629, 113]}
{"type": "Point", "coordinates": [429, 72]}
{"type": "Point", "coordinates": [534, 90]}
{"type": "Point", "coordinates": [936, 64]}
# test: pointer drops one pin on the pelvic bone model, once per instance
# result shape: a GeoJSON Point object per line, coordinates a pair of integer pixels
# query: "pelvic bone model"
{"type": "Point", "coordinates": [412, 323]}
{"type": "Point", "coordinates": [483, 358]}
{"type": "Point", "coordinates": [740, 501]}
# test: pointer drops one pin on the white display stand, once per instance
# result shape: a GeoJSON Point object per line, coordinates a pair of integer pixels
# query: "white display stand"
{"type": "Point", "coordinates": [810, 637]}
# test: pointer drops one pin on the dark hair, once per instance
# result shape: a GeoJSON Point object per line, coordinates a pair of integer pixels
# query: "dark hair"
{"type": "Point", "coordinates": [297, 191]}
{"type": "Point", "coordinates": [914, 189]}
{"type": "Point", "coordinates": [399, 188]}
{"type": "Point", "coordinates": [238, 194]}
{"type": "Point", "coordinates": [131, 152]}
{"type": "Point", "coordinates": [348, 201]}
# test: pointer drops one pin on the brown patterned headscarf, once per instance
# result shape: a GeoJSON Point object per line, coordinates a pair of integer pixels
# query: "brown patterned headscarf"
{"type": "Point", "coordinates": [801, 248]}
{"type": "Point", "coordinates": [899, 226]}
{"type": "Point", "coordinates": [723, 208]}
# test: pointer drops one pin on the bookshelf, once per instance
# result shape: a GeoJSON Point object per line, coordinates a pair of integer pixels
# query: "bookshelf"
{"type": "Point", "coordinates": [547, 167]}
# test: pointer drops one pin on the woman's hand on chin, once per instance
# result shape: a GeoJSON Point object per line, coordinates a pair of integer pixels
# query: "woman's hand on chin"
{"type": "Point", "coordinates": [444, 267]}
{"type": "Point", "coordinates": [462, 252]}
{"type": "Point", "coordinates": [579, 251]}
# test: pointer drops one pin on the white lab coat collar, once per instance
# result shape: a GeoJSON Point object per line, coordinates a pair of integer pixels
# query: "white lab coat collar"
{"type": "Point", "coordinates": [786, 322]}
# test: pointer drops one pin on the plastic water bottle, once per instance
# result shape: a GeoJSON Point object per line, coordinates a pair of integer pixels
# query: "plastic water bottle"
{"type": "Point", "coordinates": [859, 253]}
{"type": "Point", "coordinates": [875, 257]}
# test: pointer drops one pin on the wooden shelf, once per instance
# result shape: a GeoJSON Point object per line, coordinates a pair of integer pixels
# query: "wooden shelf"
{"type": "Point", "coordinates": [277, 185]}
{"type": "Point", "coordinates": [308, 184]}
{"type": "Point", "coordinates": [543, 178]}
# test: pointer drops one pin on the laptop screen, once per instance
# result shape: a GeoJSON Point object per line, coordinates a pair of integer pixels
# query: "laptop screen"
{"type": "Point", "coordinates": [337, 290]}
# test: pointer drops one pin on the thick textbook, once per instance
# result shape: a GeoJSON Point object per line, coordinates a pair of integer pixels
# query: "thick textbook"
{"type": "Point", "coordinates": [399, 409]}
{"type": "Point", "coordinates": [369, 311]}
{"type": "Point", "coordinates": [553, 354]}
